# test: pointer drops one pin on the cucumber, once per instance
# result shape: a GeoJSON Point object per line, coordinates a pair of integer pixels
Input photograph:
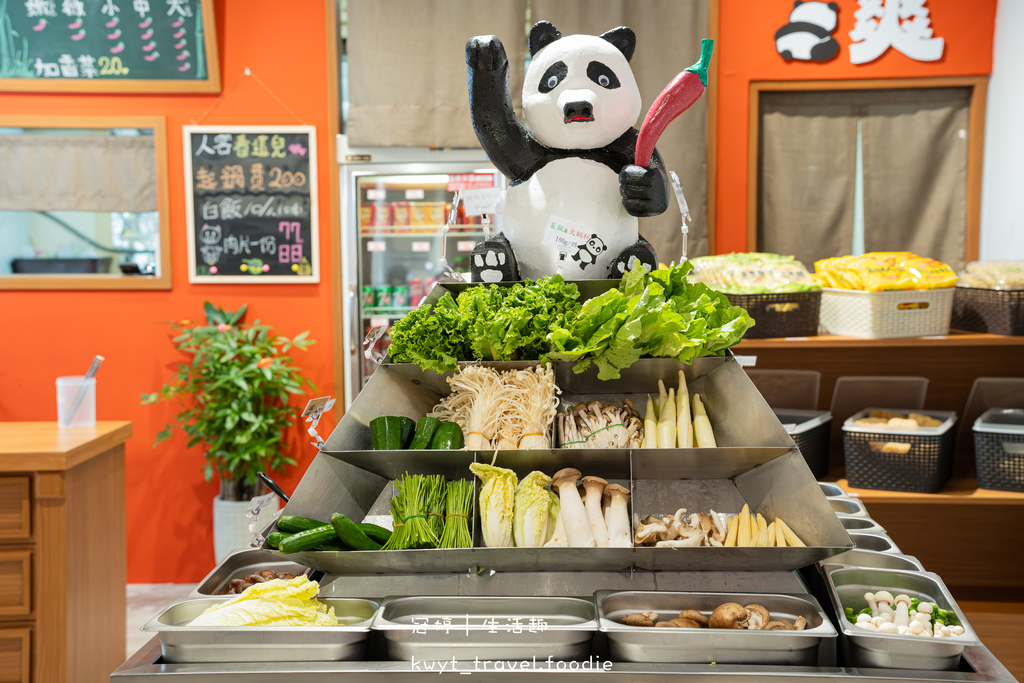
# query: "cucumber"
{"type": "Point", "coordinates": [274, 538]}
{"type": "Point", "coordinates": [425, 429]}
{"type": "Point", "coordinates": [448, 437]}
{"type": "Point", "coordinates": [408, 430]}
{"type": "Point", "coordinates": [309, 539]}
{"type": "Point", "coordinates": [376, 533]}
{"type": "Point", "coordinates": [352, 535]}
{"type": "Point", "coordinates": [292, 524]}
{"type": "Point", "coordinates": [390, 433]}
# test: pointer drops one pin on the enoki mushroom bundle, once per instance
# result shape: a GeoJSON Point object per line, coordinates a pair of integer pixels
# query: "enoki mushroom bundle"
{"type": "Point", "coordinates": [502, 410]}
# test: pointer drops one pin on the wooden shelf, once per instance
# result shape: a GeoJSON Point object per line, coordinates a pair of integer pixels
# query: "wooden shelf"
{"type": "Point", "coordinates": [43, 446]}
{"type": "Point", "coordinates": [829, 341]}
{"type": "Point", "coordinates": [962, 489]}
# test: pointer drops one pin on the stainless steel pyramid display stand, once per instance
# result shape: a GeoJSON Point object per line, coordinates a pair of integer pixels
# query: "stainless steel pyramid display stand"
{"type": "Point", "coordinates": [756, 462]}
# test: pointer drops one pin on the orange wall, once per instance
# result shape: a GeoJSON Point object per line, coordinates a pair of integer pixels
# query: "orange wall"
{"type": "Point", "coordinates": [746, 53]}
{"type": "Point", "coordinates": [48, 334]}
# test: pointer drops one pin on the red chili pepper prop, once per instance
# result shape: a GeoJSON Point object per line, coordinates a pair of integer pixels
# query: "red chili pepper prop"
{"type": "Point", "coordinates": [681, 94]}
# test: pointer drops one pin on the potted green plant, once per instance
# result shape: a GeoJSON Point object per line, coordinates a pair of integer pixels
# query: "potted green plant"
{"type": "Point", "coordinates": [234, 396]}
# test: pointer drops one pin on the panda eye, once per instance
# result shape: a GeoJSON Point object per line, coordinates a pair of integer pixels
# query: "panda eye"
{"type": "Point", "coordinates": [602, 75]}
{"type": "Point", "coordinates": [554, 75]}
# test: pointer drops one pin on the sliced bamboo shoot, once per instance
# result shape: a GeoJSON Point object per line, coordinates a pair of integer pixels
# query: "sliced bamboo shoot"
{"type": "Point", "coordinates": [650, 425]}
{"type": "Point", "coordinates": [684, 424]}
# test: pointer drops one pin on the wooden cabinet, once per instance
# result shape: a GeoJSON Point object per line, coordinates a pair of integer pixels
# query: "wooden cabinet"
{"type": "Point", "coordinates": [62, 552]}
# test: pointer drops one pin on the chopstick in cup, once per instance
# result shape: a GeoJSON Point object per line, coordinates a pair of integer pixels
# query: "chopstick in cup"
{"type": "Point", "coordinates": [81, 390]}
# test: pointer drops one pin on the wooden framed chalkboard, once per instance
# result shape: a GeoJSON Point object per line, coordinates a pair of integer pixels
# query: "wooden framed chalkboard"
{"type": "Point", "coordinates": [251, 203]}
{"type": "Point", "coordinates": [108, 46]}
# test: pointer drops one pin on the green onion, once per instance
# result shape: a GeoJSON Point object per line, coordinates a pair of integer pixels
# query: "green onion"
{"type": "Point", "coordinates": [435, 503]}
{"type": "Point", "coordinates": [409, 510]}
{"type": "Point", "coordinates": [459, 505]}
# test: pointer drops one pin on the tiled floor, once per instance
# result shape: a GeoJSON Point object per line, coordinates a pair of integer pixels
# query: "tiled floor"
{"type": "Point", "coordinates": [145, 601]}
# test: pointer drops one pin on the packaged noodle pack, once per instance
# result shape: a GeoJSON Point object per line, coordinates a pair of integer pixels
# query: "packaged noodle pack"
{"type": "Point", "coordinates": [993, 275]}
{"type": "Point", "coordinates": [881, 271]}
{"type": "Point", "coordinates": [752, 273]}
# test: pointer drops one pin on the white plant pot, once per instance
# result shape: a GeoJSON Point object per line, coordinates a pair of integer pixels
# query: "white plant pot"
{"type": "Point", "coordinates": [231, 525]}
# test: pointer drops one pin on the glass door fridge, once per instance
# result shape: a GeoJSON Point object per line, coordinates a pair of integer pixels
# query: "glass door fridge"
{"type": "Point", "coordinates": [394, 204]}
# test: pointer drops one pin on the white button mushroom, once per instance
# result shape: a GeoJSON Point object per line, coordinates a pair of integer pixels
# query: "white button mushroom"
{"type": "Point", "coordinates": [923, 618]}
{"type": "Point", "coordinates": [957, 630]}
{"type": "Point", "coordinates": [884, 600]}
{"type": "Point", "coordinates": [937, 632]}
{"type": "Point", "coordinates": [889, 627]}
{"type": "Point", "coordinates": [925, 607]}
{"type": "Point", "coordinates": [946, 632]}
{"type": "Point", "coordinates": [867, 625]}
{"type": "Point", "coordinates": [903, 630]}
{"type": "Point", "coordinates": [861, 618]}
{"type": "Point", "coordinates": [916, 627]}
{"type": "Point", "coordinates": [870, 597]}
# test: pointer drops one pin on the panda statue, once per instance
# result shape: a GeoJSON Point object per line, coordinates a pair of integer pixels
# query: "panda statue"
{"type": "Point", "coordinates": [572, 160]}
{"type": "Point", "coordinates": [808, 35]}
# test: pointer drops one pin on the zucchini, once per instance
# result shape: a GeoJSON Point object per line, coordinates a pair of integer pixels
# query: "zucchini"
{"type": "Point", "coordinates": [390, 433]}
{"type": "Point", "coordinates": [448, 437]}
{"type": "Point", "coordinates": [376, 533]}
{"type": "Point", "coordinates": [351, 534]}
{"type": "Point", "coordinates": [274, 538]}
{"type": "Point", "coordinates": [309, 539]}
{"type": "Point", "coordinates": [292, 524]}
{"type": "Point", "coordinates": [408, 430]}
{"type": "Point", "coordinates": [425, 429]}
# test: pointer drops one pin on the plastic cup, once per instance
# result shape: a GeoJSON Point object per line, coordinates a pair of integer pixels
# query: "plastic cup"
{"type": "Point", "coordinates": [67, 391]}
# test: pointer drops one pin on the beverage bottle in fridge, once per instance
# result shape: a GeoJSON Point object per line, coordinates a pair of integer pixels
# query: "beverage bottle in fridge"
{"type": "Point", "coordinates": [400, 296]}
{"type": "Point", "coordinates": [369, 296]}
{"type": "Point", "coordinates": [383, 296]}
{"type": "Point", "coordinates": [416, 292]}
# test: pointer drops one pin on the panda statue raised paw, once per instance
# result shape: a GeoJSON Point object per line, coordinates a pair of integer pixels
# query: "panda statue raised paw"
{"type": "Point", "coordinates": [573, 158]}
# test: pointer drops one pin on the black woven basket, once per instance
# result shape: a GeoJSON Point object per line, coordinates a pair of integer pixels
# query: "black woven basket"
{"type": "Point", "coordinates": [999, 449]}
{"type": "Point", "coordinates": [812, 434]}
{"type": "Point", "coordinates": [996, 311]}
{"type": "Point", "coordinates": [788, 314]}
{"type": "Point", "coordinates": [925, 468]}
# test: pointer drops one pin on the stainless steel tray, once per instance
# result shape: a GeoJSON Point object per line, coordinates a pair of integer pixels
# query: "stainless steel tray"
{"type": "Point", "coordinates": [183, 643]}
{"type": "Point", "coordinates": [847, 586]}
{"type": "Point", "coordinates": [241, 563]}
{"type": "Point", "coordinates": [860, 525]}
{"type": "Point", "coordinates": [813, 646]}
{"type": "Point", "coordinates": [832, 490]}
{"type": "Point", "coordinates": [877, 542]}
{"type": "Point", "coordinates": [486, 628]}
{"type": "Point", "coordinates": [859, 557]}
{"type": "Point", "coordinates": [848, 506]}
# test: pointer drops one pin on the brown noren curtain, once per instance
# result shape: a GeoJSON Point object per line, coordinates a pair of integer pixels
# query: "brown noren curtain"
{"type": "Point", "coordinates": [915, 172]}
{"type": "Point", "coordinates": [407, 68]}
{"type": "Point", "coordinates": [807, 164]}
{"type": "Point", "coordinates": [77, 173]}
{"type": "Point", "coordinates": [668, 40]}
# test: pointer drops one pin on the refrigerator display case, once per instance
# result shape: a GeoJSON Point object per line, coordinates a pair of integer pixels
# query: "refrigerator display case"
{"type": "Point", "coordinates": [394, 206]}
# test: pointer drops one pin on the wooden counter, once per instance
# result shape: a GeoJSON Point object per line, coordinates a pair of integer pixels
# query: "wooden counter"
{"type": "Point", "coordinates": [62, 551]}
{"type": "Point", "coordinates": [973, 538]}
{"type": "Point", "coordinates": [951, 362]}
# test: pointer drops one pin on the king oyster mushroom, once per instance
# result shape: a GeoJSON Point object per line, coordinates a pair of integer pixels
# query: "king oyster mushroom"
{"type": "Point", "coordinates": [757, 617]}
{"type": "Point", "coordinates": [729, 615]}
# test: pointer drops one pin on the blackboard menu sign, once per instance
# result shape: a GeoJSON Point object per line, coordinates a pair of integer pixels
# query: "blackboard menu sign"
{"type": "Point", "coordinates": [108, 46]}
{"type": "Point", "coordinates": [251, 204]}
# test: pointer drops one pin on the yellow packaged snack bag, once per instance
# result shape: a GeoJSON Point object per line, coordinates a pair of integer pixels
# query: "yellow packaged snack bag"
{"type": "Point", "coordinates": [929, 273]}
{"type": "Point", "coordinates": [883, 271]}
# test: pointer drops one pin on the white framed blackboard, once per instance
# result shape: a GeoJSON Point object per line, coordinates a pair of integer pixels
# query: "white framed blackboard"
{"type": "Point", "coordinates": [251, 204]}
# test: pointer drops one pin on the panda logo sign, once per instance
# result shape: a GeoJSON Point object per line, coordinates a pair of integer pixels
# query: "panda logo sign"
{"type": "Point", "coordinates": [808, 35]}
{"type": "Point", "coordinates": [588, 252]}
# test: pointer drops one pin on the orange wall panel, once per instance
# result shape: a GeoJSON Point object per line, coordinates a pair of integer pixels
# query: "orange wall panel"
{"type": "Point", "coordinates": [746, 53]}
{"type": "Point", "coordinates": [49, 334]}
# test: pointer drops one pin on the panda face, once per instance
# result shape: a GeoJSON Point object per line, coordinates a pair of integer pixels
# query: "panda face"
{"type": "Point", "coordinates": [579, 93]}
{"type": "Point", "coordinates": [595, 245]}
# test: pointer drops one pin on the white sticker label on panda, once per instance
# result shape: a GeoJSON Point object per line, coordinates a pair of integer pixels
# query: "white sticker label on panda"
{"type": "Point", "coordinates": [564, 235]}
{"type": "Point", "coordinates": [489, 200]}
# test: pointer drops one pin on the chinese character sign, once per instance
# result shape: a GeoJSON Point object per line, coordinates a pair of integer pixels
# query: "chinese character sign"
{"type": "Point", "coordinates": [903, 25]}
{"type": "Point", "coordinates": [252, 196]}
{"type": "Point", "coordinates": [102, 41]}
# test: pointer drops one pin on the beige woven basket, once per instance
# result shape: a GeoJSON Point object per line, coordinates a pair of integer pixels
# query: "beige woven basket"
{"type": "Point", "coordinates": [884, 315]}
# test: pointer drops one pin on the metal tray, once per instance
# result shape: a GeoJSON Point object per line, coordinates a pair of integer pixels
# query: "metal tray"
{"type": "Point", "coordinates": [848, 506]}
{"type": "Point", "coordinates": [183, 643]}
{"type": "Point", "coordinates": [832, 490]}
{"type": "Point", "coordinates": [847, 586]}
{"type": "Point", "coordinates": [859, 557]}
{"type": "Point", "coordinates": [815, 645]}
{"type": "Point", "coordinates": [241, 563]}
{"type": "Point", "coordinates": [877, 542]}
{"type": "Point", "coordinates": [860, 525]}
{"type": "Point", "coordinates": [486, 628]}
